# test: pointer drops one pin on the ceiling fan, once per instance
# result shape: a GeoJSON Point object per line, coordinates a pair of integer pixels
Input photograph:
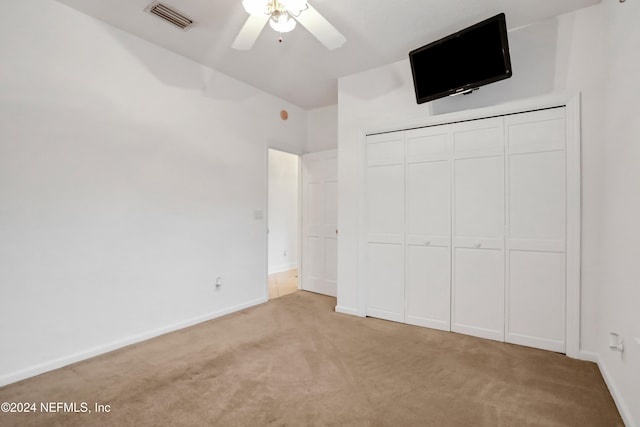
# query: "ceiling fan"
{"type": "Point", "coordinates": [282, 16]}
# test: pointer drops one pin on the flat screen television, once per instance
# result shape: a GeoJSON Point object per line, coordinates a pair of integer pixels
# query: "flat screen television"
{"type": "Point", "coordinates": [462, 62]}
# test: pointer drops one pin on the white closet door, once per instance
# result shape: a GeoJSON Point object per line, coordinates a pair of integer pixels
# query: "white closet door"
{"type": "Point", "coordinates": [428, 236]}
{"type": "Point", "coordinates": [385, 226]}
{"type": "Point", "coordinates": [478, 229]}
{"type": "Point", "coordinates": [536, 243]}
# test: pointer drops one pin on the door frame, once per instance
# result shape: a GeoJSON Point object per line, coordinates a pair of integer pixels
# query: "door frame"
{"type": "Point", "coordinates": [571, 102]}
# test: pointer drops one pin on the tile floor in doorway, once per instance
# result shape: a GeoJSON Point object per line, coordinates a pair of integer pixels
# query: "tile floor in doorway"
{"type": "Point", "coordinates": [283, 283]}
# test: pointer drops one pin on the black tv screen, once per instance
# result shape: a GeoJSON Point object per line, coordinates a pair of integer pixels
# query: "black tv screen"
{"type": "Point", "coordinates": [468, 59]}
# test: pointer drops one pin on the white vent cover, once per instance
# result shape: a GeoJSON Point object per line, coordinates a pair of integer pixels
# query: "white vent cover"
{"type": "Point", "coordinates": [170, 15]}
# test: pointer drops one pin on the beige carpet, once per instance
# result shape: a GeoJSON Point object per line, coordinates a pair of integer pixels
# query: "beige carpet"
{"type": "Point", "coordinates": [294, 362]}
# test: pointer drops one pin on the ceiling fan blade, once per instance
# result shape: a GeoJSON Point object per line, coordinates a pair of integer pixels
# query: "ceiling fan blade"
{"type": "Point", "coordinates": [250, 32]}
{"type": "Point", "coordinates": [321, 28]}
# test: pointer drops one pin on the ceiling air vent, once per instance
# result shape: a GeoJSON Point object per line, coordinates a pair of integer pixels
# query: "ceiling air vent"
{"type": "Point", "coordinates": [170, 15]}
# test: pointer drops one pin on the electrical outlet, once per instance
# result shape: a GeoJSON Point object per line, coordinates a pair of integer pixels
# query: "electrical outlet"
{"type": "Point", "coordinates": [284, 253]}
{"type": "Point", "coordinates": [218, 282]}
{"type": "Point", "coordinates": [638, 340]}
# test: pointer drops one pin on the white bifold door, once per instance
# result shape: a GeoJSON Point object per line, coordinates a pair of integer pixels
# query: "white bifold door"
{"type": "Point", "coordinates": [409, 239]}
{"type": "Point", "coordinates": [428, 228]}
{"type": "Point", "coordinates": [466, 227]}
{"type": "Point", "coordinates": [385, 235]}
{"type": "Point", "coordinates": [320, 222]}
{"type": "Point", "coordinates": [536, 234]}
{"type": "Point", "coordinates": [478, 228]}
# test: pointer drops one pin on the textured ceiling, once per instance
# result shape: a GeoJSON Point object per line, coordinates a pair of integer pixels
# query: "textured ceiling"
{"type": "Point", "coordinates": [300, 69]}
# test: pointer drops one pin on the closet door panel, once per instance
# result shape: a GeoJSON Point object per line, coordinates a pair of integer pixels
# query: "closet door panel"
{"type": "Point", "coordinates": [479, 197]}
{"type": "Point", "coordinates": [385, 200]}
{"type": "Point", "coordinates": [537, 196]}
{"type": "Point", "coordinates": [478, 229]}
{"type": "Point", "coordinates": [536, 234]}
{"type": "Point", "coordinates": [428, 144]}
{"type": "Point", "coordinates": [385, 151]}
{"type": "Point", "coordinates": [479, 293]}
{"type": "Point", "coordinates": [385, 287]}
{"type": "Point", "coordinates": [428, 202]}
{"type": "Point", "coordinates": [428, 236]}
{"type": "Point", "coordinates": [428, 286]}
{"type": "Point", "coordinates": [384, 270]}
{"type": "Point", "coordinates": [476, 138]}
{"type": "Point", "coordinates": [536, 131]}
{"type": "Point", "coordinates": [536, 310]}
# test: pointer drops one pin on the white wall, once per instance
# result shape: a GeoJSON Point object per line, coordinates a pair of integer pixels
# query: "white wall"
{"type": "Point", "coordinates": [129, 179]}
{"type": "Point", "coordinates": [620, 231]}
{"type": "Point", "coordinates": [283, 211]}
{"type": "Point", "coordinates": [593, 51]}
{"type": "Point", "coordinates": [322, 129]}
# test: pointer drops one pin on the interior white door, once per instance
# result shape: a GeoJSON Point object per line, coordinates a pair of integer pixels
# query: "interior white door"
{"type": "Point", "coordinates": [536, 242]}
{"type": "Point", "coordinates": [384, 273]}
{"type": "Point", "coordinates": [428, 228]}
{"type": "Point", "coordinates": [320, 222]}
{"type": "Point", "coordinates": [478, 229]}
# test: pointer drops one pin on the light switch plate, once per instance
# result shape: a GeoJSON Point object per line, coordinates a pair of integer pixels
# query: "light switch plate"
{"type": "Point", "coordinates": [638, 340]}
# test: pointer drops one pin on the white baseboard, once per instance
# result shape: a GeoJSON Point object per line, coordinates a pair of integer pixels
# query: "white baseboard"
{"type": "Point", "coordinates": [348, 310]}
{"type": "Point", "coordinates": [281, 268]}
{"type": "Point", "coordinates": [623, 409]}
{"type": "Point", "coordinates": [96, 351]}
{"type": "Point", "coordinates": [589, 356]}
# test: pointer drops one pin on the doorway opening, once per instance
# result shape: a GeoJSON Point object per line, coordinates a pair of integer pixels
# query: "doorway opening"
{"type": "Point", "coordinates": [283, 223]}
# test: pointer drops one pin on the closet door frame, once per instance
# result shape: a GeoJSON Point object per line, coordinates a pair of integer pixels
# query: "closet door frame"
{"type": "Point", "coordinates": [573, 232]}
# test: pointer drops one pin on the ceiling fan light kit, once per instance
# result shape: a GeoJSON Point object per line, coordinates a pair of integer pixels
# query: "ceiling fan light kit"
{"type": "Point", "coordinates": [280, 12]}
{"type": "Point", "coordinates": [282, 16]}
{"type": "Point", "coordinates": [282, 22]}
{"type": "Point", "coordinates": [268, 7]}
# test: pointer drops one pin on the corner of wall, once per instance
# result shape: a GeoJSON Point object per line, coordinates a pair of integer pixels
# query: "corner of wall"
{"type": "Point", "coordinates": [621, 404]}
